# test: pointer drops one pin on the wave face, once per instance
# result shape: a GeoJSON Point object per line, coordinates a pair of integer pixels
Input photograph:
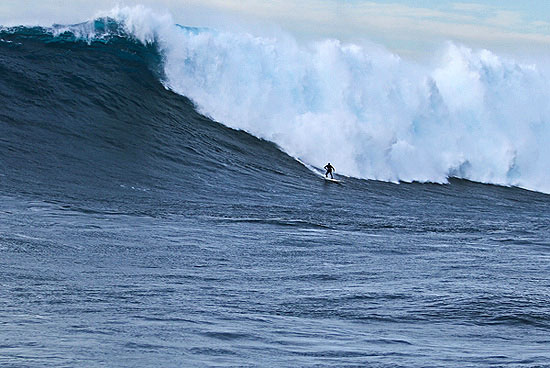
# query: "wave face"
{"type": "Point", "coordinates": [473, 115]}
{"type": "Point", "coordinates": [85, 119]}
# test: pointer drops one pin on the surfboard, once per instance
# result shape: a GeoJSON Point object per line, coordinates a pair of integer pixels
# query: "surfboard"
{"type": "Point", "coordinates": [332, 180]}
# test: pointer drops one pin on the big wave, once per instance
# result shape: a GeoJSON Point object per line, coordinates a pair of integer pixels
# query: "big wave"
{"type": "Point", "coordinates": [472, 115]}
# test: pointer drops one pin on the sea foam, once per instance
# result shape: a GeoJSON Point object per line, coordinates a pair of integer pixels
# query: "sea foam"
{"type": "Point", "coordinates": [471, 114]}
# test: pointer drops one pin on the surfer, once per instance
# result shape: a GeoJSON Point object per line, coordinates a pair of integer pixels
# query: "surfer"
{"type": "Point", "coordinates": [329, 168]}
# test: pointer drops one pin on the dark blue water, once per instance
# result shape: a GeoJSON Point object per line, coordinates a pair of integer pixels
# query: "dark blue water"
{"type": "Point", "coordinates": [136, 232]}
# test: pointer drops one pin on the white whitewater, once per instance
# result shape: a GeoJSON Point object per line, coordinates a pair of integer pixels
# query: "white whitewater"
{"type": "Point", "coordinates": [473, 115]}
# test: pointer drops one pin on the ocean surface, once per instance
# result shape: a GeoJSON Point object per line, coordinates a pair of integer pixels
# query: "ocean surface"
{"type": "Point", "coordinates": [157, 209]}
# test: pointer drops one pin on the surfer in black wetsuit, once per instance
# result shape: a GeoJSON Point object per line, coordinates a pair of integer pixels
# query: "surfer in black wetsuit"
{"type": "Point", "coordinates": [329, 168]}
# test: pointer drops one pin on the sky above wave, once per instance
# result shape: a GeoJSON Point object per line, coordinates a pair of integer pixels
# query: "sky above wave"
{"type": "Point", "coordinates": [404, 26]}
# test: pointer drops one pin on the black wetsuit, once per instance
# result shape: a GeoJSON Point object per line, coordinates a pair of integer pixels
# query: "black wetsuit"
{"type": "Point", "coordinates": [329, 170]}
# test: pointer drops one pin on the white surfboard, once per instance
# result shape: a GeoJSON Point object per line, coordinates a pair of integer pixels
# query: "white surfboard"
{"type": "Point", "coordinates": [332, 180]}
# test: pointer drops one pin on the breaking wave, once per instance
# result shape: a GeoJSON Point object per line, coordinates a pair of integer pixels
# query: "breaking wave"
{"type": "Point", "coordinates": [471, 114]}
